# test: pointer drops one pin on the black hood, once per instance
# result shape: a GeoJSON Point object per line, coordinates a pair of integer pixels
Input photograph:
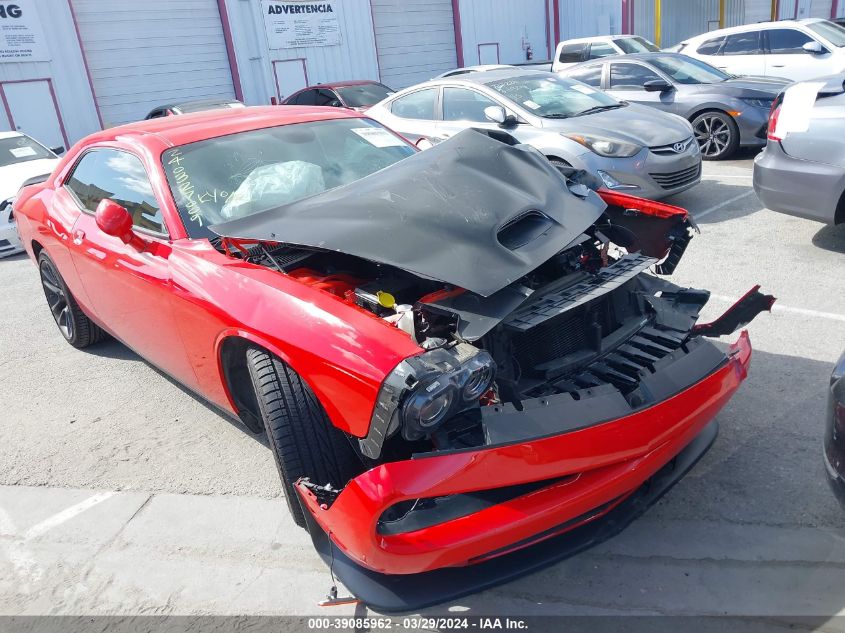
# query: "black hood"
{"type": "Point", "coordinates": [471, 211]}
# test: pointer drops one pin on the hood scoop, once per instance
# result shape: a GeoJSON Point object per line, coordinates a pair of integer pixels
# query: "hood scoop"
{"type": "Point", "coordinates": [472, 211]}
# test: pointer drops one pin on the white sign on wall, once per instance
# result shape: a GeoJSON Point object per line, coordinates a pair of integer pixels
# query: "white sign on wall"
{"type": "Point", "coordinates": [301, 23]}
{"type": "Point", "coordinates": [21, 36]}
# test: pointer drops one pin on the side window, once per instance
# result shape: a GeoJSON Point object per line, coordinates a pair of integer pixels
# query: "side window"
{"type": "Point", "coordinates": [601, 49]}
{"type": "Point", "coordinates": [306, 97]}
{"type": "Point", "coordinates": [630, 76]}
{"type": "Point", "coordinates": [787, 41]}
{"type": "Point", "coordinates": [742, 44]}
{"type": "Point", "coordinates": [711, 47]}
{"type": "Point", "coordinates": [590, 75]}
{"type": "Point", "coordinates": [108, 173]}
{"type": "Point", "coordinates": [417, 105]}
{"type": "Point", "coordinates": [571, 53]}
{"type": "Point", "coordinates": [460, 104]}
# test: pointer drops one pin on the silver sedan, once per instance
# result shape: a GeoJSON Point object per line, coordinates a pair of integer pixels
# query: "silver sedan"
{"type": "Point", "coordinates": [629, 147]}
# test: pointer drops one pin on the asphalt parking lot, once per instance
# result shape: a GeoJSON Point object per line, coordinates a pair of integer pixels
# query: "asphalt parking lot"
{"type": "Point", "coordinates": [121, 493]}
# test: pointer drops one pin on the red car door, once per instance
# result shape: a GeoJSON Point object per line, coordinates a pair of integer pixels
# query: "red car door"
{"type": "Point", "coordinates": [130, 290]}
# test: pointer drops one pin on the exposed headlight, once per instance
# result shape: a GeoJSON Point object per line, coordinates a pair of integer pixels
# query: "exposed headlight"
{"type": "Point", "coordinates": [424, 391]}
{"type": "Point", "coordinates": [766, 104]}
{"type": "Point", "coordinates": [605, 146]}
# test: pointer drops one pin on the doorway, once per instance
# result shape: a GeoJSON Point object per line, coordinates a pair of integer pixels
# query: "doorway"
{"type": "Point", "coordinates": [291, 75]}
{"type": "Point", "coordinates": [31, 108]}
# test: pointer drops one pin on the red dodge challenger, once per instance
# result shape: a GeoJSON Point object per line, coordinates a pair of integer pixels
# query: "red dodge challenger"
{"type": "Point", "coordinates": [468, 363]}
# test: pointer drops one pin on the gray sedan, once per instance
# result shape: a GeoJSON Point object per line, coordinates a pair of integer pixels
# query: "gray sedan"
{"type": "Point", "coordinates": [629, 147]}
{"type": "Point", "coordinates": [802, 170]}
{"type": "Point", "coordinates": [726, 111]}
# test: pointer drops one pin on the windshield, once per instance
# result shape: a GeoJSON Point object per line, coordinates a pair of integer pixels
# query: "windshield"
{"type": "Point", "coordinates": [686, 70]}
{"type": "Point", "coordinates": [550, 96]}
{"type": "Point", "coordinates": [830, 31]}
{"type": "Point", "coordinates": [635, 45]}
{"type": "Point", "coordinates": [364, 95]}
{"type": "Point", "coordinates": [229, 177]}
{"type": "Point", "coordinates": [20, 149]}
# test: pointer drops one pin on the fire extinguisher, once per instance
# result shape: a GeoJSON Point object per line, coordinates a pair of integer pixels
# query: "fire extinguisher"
{"type": "Point", "coordinates": [529, 53]}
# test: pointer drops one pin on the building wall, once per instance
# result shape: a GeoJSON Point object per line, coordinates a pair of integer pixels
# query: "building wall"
{"type": "Point", "coordinates": [65, 70]}
{"type": "Point", "coordinates": [354, 58]}
{"type": "Point", "coordinates": [501, 31]}
{"type": "Point", "coordinates": [683, 19]}
{"type": "Point", "coordinates": [596, 17]}
{"type": "Point", "coordinates": [415, 40]}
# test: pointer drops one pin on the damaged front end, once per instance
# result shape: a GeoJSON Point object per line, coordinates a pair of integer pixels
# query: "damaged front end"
{"type": "Point", "coordinates": [571, 392]}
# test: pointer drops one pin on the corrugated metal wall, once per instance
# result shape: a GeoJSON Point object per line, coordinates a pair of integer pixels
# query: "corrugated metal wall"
{"type": "Point", "coordinates": [415, 39]}
{"type": "Point", "coordinates": [354, 58]}
{"type": "Point", "coordinates": [66, 70]}
{"type": "Point", "coordinates": [643, 19]}
{"type": "Point", "coordinates": [806, 9]}
{"type": "Point", "coordinates": [683, 19]}
{"type": "Point", "coordinates": [821, 8]}
{"type": "Point", "coordinates": [598, 17]}
{"type": "Point", "coordinates": [755, 11]}
{"type": "Point", "coordinates": [139, 59]}
{"type": "Point", "coordinates": [504, 26]}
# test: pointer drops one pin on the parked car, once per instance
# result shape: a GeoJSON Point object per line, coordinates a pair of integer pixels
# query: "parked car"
{"type": "Point", "coordinates": [571, 52]}
{"type": "Point", "coordinates": [802, 169]}
{"type": "Point", "coordinates": [21, 158]}
{"type": "Point", "coordinates": [447, 357]}
{"type": "Point", "coordinates": [630, 147]}
{"type": "Point", "coordinates": [356, 95]}
{"type": "Point", "coordinates": [480, 68]}
{"type": "Point", "coordinates": [188, 107]}
{"type": "Point", "coordinates": [792, 49]}
{"type": "Point", "coordinates": [726, 112]}
{"type": "Point", "coordinates": [834, 437]}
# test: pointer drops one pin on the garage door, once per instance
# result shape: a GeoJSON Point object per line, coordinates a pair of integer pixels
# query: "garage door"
{"type": "Point", "coordinates": [415, 40]}
{"type": "Point", "coordinates": [150, 53]}
{"type": "Point", "coordinates": [501, 31]}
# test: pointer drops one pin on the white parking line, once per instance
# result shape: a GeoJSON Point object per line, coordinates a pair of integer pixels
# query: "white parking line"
{"type": "Point", "coordinates": [789, 309]}
{"type": "Point", "coordinates": [722, 205]}
{"type": "Point", "coordinates": [748, 176]}
{"type": "Point", "coordinates": [65, 515]}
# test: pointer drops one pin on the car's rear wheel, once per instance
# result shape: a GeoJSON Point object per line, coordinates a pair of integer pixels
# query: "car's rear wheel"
{"type": "Point", "coordinates": [303, 439]}
{"type": "Point", "coordinates": [73, 323]}
{"type": "Point", "coordinates": [717, 135]}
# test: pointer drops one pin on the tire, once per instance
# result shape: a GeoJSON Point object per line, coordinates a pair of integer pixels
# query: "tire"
{"type": "Point", "coordinates": [304, 441]}
{"type": "Point", "coordinates": [73, 323]}
{"type": "Point", "coordinates": [717, 135]}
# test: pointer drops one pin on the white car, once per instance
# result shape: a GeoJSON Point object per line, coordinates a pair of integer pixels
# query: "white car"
{"type": "Point", "coordinates": [21, 158]}
{"type": "Point", "coordinates": [570, 52]}
{"type": "Point", "coordinates": [792, 49]}
{"type": "Point", "coordinates": [471, 69]}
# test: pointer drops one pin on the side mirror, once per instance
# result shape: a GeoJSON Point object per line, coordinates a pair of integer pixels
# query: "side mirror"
{"type": "Point", "coordinates": [813, 47]}
{"type": "Point", "coordinates": [499, 115]}
{"type": "Point", "coordinates": [657, 85]}
{"type": "Point", "coordinates": [113, 219]}
{"type": "Point", "coordinates": [58, 150]}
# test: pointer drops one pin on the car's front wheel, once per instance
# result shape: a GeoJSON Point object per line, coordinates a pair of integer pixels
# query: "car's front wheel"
{"type": "Point", "coordinates": [717, 135]}
{"type": "Point", "coordinates": [303, 439]}
{"type": "Point", "coordinates": [73, 323]}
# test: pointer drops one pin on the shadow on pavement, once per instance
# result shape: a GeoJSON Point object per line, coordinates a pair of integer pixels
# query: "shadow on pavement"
{"type": "Point", "coordinates": [831, 238]}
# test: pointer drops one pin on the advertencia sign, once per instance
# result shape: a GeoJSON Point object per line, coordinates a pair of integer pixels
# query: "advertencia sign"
{"type": "Point", "coordinates": [21, 36]}
{"type": "Point", "coordinates": [301, 23]}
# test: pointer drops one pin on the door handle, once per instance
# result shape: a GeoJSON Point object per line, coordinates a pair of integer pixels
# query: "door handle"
{"type": "Point", "coordinates": [78, 237]}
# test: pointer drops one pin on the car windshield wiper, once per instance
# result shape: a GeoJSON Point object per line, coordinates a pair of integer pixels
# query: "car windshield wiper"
{"type": "Point", "coordinates": [600, 108]}
{"type": "Point", "coordinates": [557, 115]}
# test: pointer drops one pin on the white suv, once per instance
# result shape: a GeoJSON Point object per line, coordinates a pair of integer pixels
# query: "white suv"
{"type": "Point", "coordinates": [570, 52]}
{"type": "Point", "coordinates": [793, 49]}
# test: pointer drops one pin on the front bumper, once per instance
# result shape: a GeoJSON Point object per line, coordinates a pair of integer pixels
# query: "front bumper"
{"type": "Point", "coordinates": [592, 471]}
{"type": "Point", "coordinates": [649, 175]}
